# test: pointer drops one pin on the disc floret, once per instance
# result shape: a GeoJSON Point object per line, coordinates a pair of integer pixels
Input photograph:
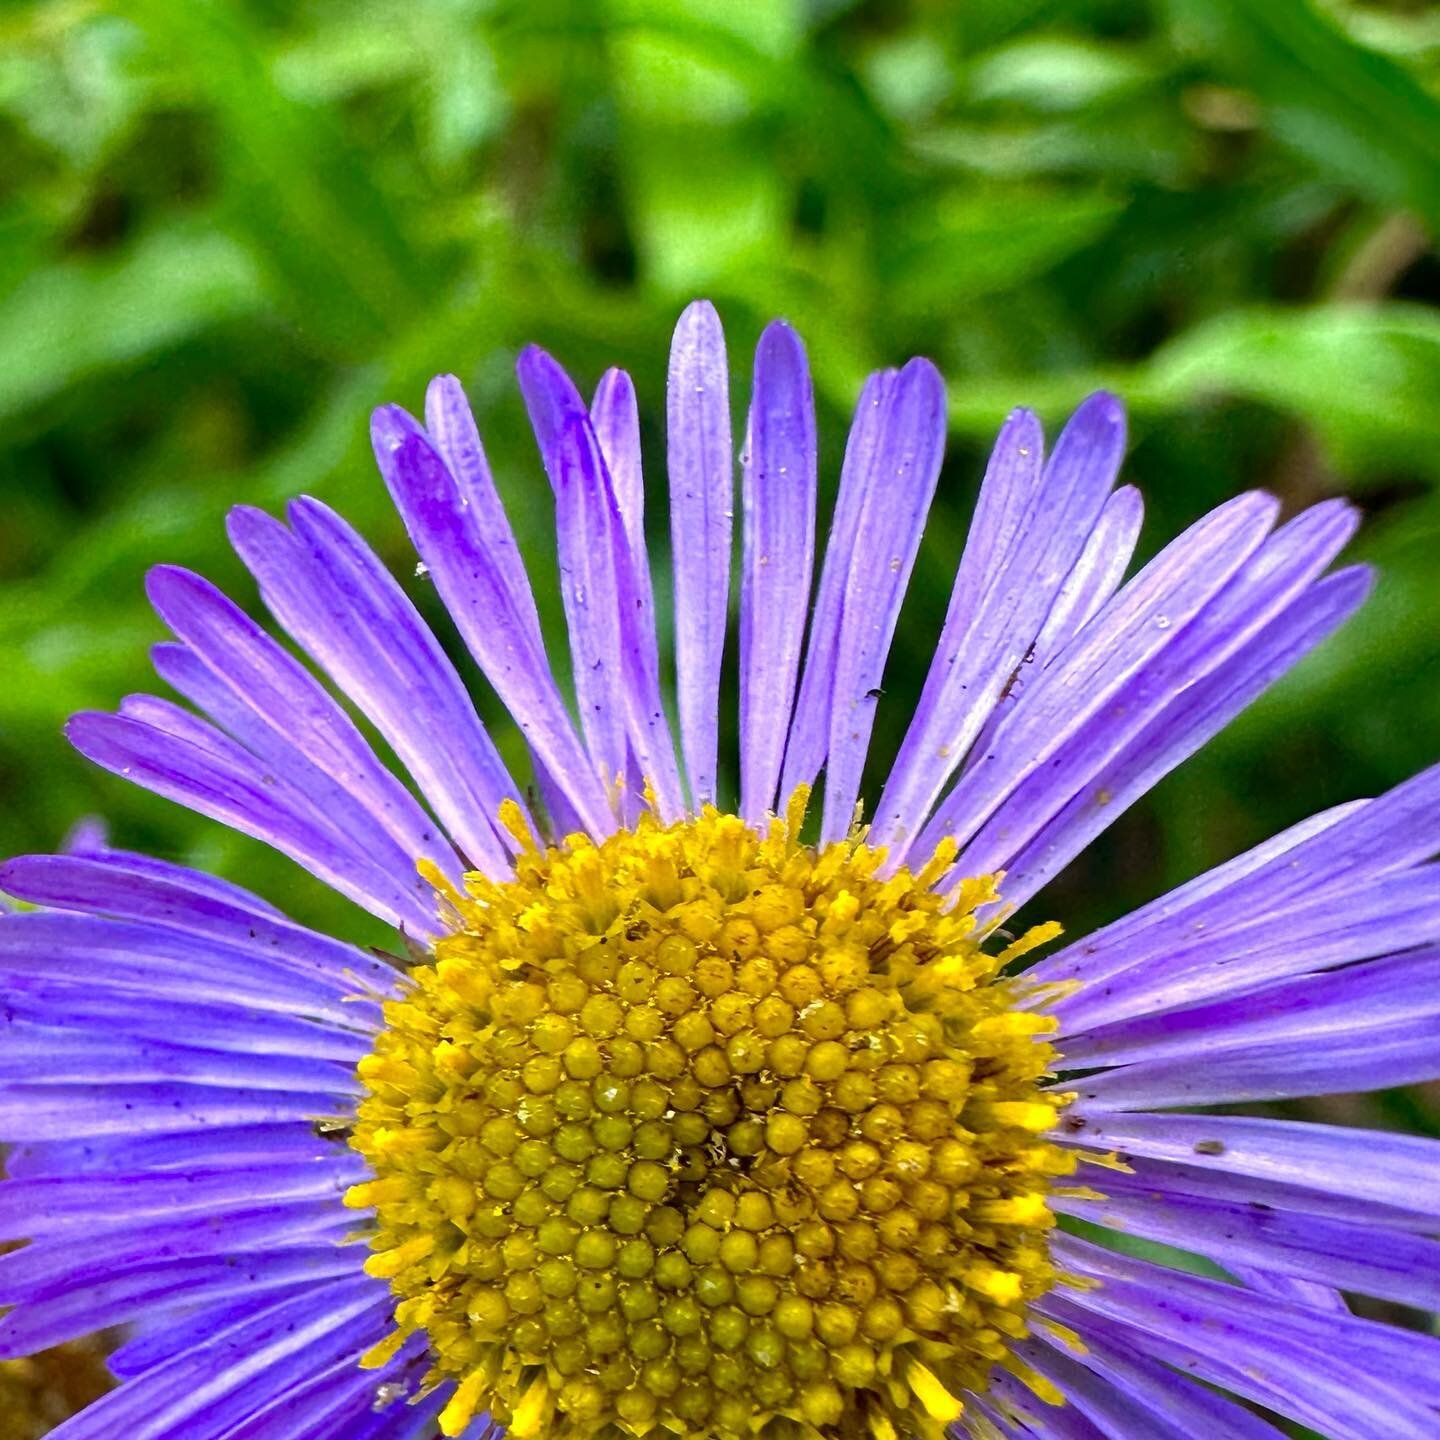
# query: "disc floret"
{"type": "Point", "coordinates": [696, 1131]}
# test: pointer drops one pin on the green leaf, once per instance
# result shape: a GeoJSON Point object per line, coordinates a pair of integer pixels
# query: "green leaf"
{"type": "Point", "coordinates": [79, 317]}
{"type": "Point", "coordinates": [970, 242]}
{"type": "Point", "coordinates": [1364, 378]}
{"type": "Point", "coordinates": [1352, 111]}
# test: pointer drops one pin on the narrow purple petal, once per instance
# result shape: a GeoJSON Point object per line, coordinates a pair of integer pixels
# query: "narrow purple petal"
{"type": "Point", "coordinates": [615, 418]}
{"type": "Point", "coordinates": [61, 1055]}
{"type": "Point", "coordinates": [1383, 916]}
{"type": "Point", "coordinates": [1057, 811]}
{"type": "Point", "coordinates": [1359, 1257]}
{"type": "Point", "coordinates": [616, 423]}
{"type": "Point", "coordinates": [1315, 1010]}
{"type": "Point", "coordinates": [777, 560]}
{"type": "Point", "coordinates": [291, 705]}
{"type": "Point", "coordinates": [882, 557]}
{"type": "Point", "coordinates": [1129, 1395]}
{"type": "Point", "coordinates": [224, 782]}
{"type": "Point", "coordinates": [1342, 848]}
{"type": "Point", "coordinates": [328, 590]}
{"type": "Point", "coordinates": [1339, 1372]}
{"type": "Point", "coordinates": [588, 582]}
{"type": "Point", "coordinates": [1402, 1171]}
{"type": "Point", "coordinates": [153, 959]}
{"type": "Point", "coordinates": [1150, 613]}
{"type": "Point", "coordinates": [56, 1205]}
{"type": "Point", "coordinates": [470, 509]}
{"type": "Point", "coordinates": [113, 885]}
{"type": "Point", "coordinates": [98, 1302]}
{"type": "Point", "coordinates": [456, 752]}
{"type": "Point", "coordinates": [701, 462]}
{"type": "Point", "coordinates": [810, 730]}
{"type": "Point", "coordinates": [1095, 578]}
{"type": "Point", "coordinates": [343, 807]}
{"type": "Point", "coordinates": [37, 1112]}
{"type": "Point", "coordinates": [460, 531]}
{"type": "Point", "coordinates": [1029, 531]}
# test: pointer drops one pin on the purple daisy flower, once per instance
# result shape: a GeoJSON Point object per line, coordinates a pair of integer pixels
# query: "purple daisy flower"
{"type": "Point", "coordinates": [683, 1118]}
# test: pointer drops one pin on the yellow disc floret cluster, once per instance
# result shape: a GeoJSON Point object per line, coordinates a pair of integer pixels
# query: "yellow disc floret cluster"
{"type": "Point", "coordinates": [698, 1132]}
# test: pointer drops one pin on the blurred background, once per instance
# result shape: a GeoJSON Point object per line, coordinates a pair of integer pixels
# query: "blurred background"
{"type": "Point", "coordinates": [228, 228]}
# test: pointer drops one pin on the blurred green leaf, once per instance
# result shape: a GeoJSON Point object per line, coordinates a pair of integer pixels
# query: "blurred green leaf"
{"type": "Point", "coordinates": [1352, 111]}
{"type": "Point", "coordinates": [73, 319]}
{"type": "Point", "coordinates": [1364, 378]}
{"type": "Point", "coordinates": [971, 242]}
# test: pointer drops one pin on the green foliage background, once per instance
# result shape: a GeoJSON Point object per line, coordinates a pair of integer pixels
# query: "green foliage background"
{"type": "Point", "coordinates": [230, 227]}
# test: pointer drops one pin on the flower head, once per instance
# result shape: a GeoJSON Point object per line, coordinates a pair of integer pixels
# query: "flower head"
{"type": "Point", "coordinates": [701, 1116]}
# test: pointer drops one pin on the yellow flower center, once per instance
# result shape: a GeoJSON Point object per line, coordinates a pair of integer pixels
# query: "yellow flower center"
{"type": "Point", "coordinates": [698, 1132]}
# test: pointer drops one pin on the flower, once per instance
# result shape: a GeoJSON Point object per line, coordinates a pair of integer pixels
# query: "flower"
{"type": "Point", "coordinates": [684, 1120]}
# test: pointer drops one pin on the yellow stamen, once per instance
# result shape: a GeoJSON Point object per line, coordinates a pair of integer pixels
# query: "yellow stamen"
{"type": "Point", "coordinates": [697, 1132]}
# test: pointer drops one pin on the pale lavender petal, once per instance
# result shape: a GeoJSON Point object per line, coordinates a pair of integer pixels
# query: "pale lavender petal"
{"type": "Point", "coordinates": [1152, 612]}
{"type": "Point", "coordinates": [701, 462]}
{"type": "Point", "coordinates": [778, 557]}
{"type": "Point", "coordinates": [1358, 1257]}
{"type": "Point", "coordinates": [1056, 812]}
{"type": "Point", "coordinates": [882, 557]}
{"type": "Point", "coordinates": [1029, 530]}
{"type": "Point", "coordinates": [1402, 1171]}
{"type": "Point", "coordinates": [810, 731]}
{"type": "Point", "coordinates": [291, 705]}
{"type": "Point", "coordinates": [328, 590]}
{"type": "Point", "coordinates": [227, 784]}
{"type": "Point", "coordinates": [460, 531]}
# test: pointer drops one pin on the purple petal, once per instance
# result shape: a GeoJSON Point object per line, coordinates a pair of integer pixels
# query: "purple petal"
{"type": "Point", "coordinates": [701, 463]}
{"type": "Point", "coordinates": [588, 582]}
{"type": "Point", "coordinates": [1337, 1372]}
{"type": "Point", "coordinates": [114, 885]}
{"type": "Point", "coordinates": [810, 731]}
{"type": "Point", "coordinates": [1131, 1396]}
{"type": "Point", "coordinates": [1150, 613]}
{"type": "Point", "coordinates": [56, 1205]}
{"type": "Point", "coordinates": [1029, 531]}
{"type": "Point", "coordinates": [460, 531]}
{"type": "Point", "coordinates": [616, 424]}
{"type": "Point", "coordinates": [292, 707]}
{"type": "Point", "coordinates": [1402, 1171]}
{"type": "Point", "coordinates": [470, 511]}
{"type": "Point", "coordinates": [98, 1302]}
{"type": "Point", "coordinates": [324, 585]}
{"type": "Point", "coordinates": [777, 559]}
{"type": "Point", "coordinates": [883, 555]}
{"type": "Point", "coordinates": [1359, 1257]}
{"type": "Point", "coordinates": [1095, 799]}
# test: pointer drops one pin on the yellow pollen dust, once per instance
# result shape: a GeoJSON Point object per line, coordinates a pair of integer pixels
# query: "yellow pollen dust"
{"type": "Point", "coordinates": [696, 1132]}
